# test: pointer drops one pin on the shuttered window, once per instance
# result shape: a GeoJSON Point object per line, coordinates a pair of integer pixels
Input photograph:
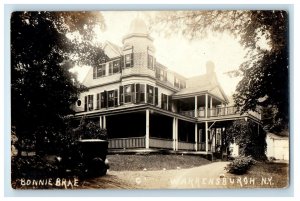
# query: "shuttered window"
{"type": "Point", "coordinates": [90, 102]}
{"type": "Point", "coordinates": [164, 101]}
{"type": "Point", "coordinates": [139, 93]}
{"type": "Point", "coordinates": [103, 97]}
{"type": "Point", "coordinates": [98, 101]}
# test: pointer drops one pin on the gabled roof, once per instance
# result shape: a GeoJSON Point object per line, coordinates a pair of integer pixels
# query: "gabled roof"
{"type": "Point", "coordinates": [202, 84]}
{"type": "Point", "coordinates": [112, 50]}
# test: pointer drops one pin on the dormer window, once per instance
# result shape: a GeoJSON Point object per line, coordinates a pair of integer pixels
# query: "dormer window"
{"type": "Point", "coordinates": [150, 62]}
{"type": "Point", "coordinates": [114, 67]}
{"type": "Point", "coordinates": [99, 71]}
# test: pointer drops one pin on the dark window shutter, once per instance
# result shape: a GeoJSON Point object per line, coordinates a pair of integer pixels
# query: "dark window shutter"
{"type": "Point", "coordinates": [98, 102]}
{"type": "Point", "coordinates": [121, 95]}
{"type": "Point", "coordinates": [132, 60]}
{"type": "Point", "coordinates": [170, 103]}
{"type": "Point", "coordinates": [85, 103]}
{"type": "Point", "coordinates": [137, 93]}
{"type": "Point", "coordinates": [116, 97]}
{"type": "Point", "coordinates": [133, 93]}
{"type": "Point", "coordinates": [121, 63]}
{"type": "Point", "coordinates": [105, 99]}
{"type": "Point", "coordinates": [132, 57]}
{"type": "Point", "coordinates": [156, 96]}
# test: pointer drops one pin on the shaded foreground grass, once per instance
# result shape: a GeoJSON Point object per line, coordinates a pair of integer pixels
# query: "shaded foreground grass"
{"type": "Point", "coordinates": [154, 162]}
{"type": "Point", "coordinates": [262, 175]}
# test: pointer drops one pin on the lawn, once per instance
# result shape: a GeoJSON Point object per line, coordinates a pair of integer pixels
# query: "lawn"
{"type": "Point", "coordinates": [262, 175]}
{"type": "Point", "coordinates": [137, 162]}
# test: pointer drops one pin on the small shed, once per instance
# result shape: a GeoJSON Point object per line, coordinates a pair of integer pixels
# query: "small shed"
{"type": "Point", "coordinates": [277, 146]}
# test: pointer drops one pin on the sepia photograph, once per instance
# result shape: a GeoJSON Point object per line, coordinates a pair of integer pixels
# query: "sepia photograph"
{"type": "Point", "coordinates": [177, 99]}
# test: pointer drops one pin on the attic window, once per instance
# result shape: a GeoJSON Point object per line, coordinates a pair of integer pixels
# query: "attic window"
{"type": "Point", "coordinates": [114, 66]}
{"type": "Point", "coordinates": [150, 62]}
{"type": "Point", "coordinates": [99, 71]}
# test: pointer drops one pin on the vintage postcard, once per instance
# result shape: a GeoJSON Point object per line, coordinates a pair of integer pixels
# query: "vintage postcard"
{"type": "Point", "coordinates": [150, 99]}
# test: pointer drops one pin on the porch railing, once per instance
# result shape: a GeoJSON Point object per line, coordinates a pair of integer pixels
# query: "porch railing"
{"type": "Point", "coordinates": [222, 111]}
{"type": "Point", "coordinates": [218, 112]}
{"type": "Point", "coordinates": [186, 146]}
{"type": "Point", "coordinates": [212, 112]}
{"type": "Point", "coordinates": [201, 146]}
{"type": "Point", "coordinates": [160, 143]}
{"type": "Point", "coordinates": [190, 113]}
{"type": "Point", "coordinates": [132, 142]}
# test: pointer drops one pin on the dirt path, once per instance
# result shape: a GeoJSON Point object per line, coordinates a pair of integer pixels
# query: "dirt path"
{"type": "Point", "coordinates": [206, 176]}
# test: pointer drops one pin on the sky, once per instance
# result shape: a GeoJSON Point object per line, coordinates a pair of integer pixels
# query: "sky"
{"type": "Point", "coordinates": [188, 58]}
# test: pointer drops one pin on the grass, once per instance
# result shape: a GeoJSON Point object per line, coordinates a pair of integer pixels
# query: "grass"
{"type": "Point", "coordinates": [154, 162]}
{"type": "Point", "coordinates": [264, 175]}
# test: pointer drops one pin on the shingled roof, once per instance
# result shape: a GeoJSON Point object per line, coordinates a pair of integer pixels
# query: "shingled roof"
{"type": "Point", "coordinates": [202, 84]}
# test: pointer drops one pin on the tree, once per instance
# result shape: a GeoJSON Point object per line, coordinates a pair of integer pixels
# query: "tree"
{"type": "Point", "coordinates": [250, 138]}
{"type": "Point", "coordinates": [265, 79]}
{"type": "Point", "coordinates": [42, 87]}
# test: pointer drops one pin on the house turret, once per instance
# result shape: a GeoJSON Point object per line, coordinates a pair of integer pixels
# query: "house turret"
{"type": "Point", "coordinates": [138, 50]}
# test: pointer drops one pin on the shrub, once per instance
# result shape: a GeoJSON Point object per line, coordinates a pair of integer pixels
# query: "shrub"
{"type": "Point", "coordinates": [240, 165]}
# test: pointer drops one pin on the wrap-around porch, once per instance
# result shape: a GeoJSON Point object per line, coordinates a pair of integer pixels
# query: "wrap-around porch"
{"type": "Point", "coordinates": [150, 129]}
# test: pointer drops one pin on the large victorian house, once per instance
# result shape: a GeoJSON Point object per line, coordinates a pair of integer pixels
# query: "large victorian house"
{"type": "Point", "coordinates": [144, 105]}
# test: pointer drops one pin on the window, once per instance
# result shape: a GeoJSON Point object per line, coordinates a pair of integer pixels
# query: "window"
{"type": "Point", "coordinates": [114, 67]}
{"type": "Point", "coordinates": [78, 103]}
{"type": "Point", "coordinates": [179, 83]}
{"type": "Point", "coordinates": [150, 94]}
{"type": "Point", "coordinates": [165, 78]}
{"type": "Point", "coordinates": [150, 62]}
{"type": "Point", "coordinates": [176, 82]}
{"type": "Point", "coordinates": [128, 93]}
{"type": "Point", "coordinates": [129, 60]}
{"type": "Point", "coordinates": [157, 74]}
{"type": "Point", "coordinates": [164, 101]}
{"type": "Point", "coordinates": [140, 93]}
{"type": "Point", "coordinates": [90, 102]}
{"type": "Point", "coordinates": [99, 71]}
{"type": "Point", "coordinates": [98, 102]}
{"type": "Point", "coordinates": [182, 84]}
{"type": "Point", "coordinates": [161, 74]}
{"type": "Point", "coordinates": [103, 97]}
{"type": "Point", "coordinates": [111, 98]}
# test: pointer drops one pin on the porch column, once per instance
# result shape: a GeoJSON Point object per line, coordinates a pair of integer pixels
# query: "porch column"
{"type": "Point", "coordinates": [104, 122]}
{"type": "Point", "coordinates": [196, 106]}
{"type": "Point", "coordinates": [146, 94]}
{"type": "Point", "coordinates": [147, 129]}
{"type": "Point", "coordinates": [100, 121]}
{"type": "Point", "coordinates": [210, 106]}
{"type": "Point", "coordinates": [206, 104]}
{"type": "Point", "coordinates": [174, 134]}
{"type": "Point", "coordinates": [196, 137]}
{"type": "Point", "coordinates": [206, 137]}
